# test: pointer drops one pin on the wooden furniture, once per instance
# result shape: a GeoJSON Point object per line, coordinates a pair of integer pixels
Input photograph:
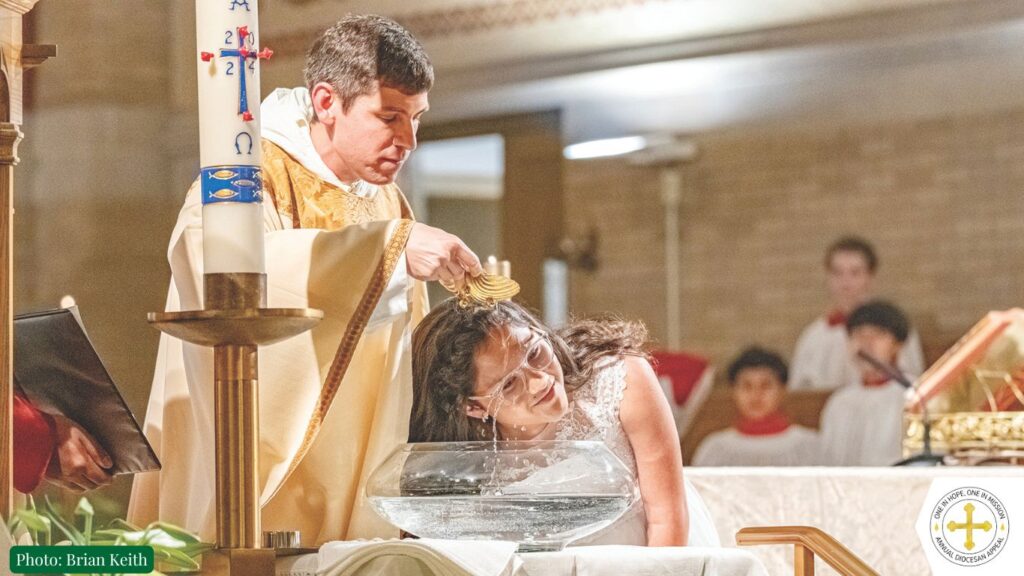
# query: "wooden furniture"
{"type": "Point", "coordinates": [807, 543]}
{"type": "Point", "coordinates": [15, 58]}
{"type": "Point", "coordinates": [718, 412]}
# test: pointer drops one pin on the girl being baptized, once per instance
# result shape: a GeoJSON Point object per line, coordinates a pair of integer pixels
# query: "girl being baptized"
{"type": "Point", "coordinates": [480, 369]}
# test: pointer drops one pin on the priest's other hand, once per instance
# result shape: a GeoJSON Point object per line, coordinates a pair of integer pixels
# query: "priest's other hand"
{"type": "Point", "coordinates": [433, 254]}
{"type": "Point", "coordinates": [78, 463]}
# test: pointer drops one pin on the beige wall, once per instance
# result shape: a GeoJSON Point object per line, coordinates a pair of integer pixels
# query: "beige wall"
{"type": "Point", "coordinates": [94, 196]}
{"type": "Point", "coordinates": [94, 200]}
{"type": "Point", "coordinates": [941, 199]}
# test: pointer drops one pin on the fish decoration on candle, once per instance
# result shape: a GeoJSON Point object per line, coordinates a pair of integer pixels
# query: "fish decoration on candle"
{"type": "Point", "coordinates": [228, 60]}
{"type": "Point", "coordinates": [242, 59]}
{"type": "Point", "coordinates": [239, 184]}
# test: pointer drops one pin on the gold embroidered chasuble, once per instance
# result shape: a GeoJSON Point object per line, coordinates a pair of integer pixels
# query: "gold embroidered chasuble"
{"type": "Point", "coordinates": [306, 201]}
{"type": "Point", "coordinates": [334, 401]}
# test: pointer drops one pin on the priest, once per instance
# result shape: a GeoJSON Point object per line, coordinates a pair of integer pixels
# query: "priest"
{"type": "Point", "coordinates": [821, 359]}
{"type": "Point", "coordinates": [339, 237]}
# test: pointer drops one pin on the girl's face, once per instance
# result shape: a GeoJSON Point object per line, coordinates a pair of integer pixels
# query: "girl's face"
{"type": "Point", "coordinates": [518, 381]}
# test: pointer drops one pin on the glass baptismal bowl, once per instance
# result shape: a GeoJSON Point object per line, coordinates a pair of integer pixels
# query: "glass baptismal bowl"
{"type": "Point", "coordinates": [542, 495]}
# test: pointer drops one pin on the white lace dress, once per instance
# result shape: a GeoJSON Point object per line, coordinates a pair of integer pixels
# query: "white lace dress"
{"type": "Point", "coordinates": [594, 415]}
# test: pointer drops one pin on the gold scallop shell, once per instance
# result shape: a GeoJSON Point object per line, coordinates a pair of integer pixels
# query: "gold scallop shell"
{"type": "Point", "coordinates": [486, 290]}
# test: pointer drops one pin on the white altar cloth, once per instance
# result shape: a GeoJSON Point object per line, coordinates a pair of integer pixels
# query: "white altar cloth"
{"type": "Point", "coordinates": [641, 561]}
{"type": "Point", "coordinates": [380, 558]}
{"type": "Point", "coordinates": [426, 557]}
{"type": "Point", "coordinates": [871, 511]}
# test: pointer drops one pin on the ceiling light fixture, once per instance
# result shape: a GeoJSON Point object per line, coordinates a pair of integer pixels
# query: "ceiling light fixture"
{"type": "Point", "coordinates": [603, 148]}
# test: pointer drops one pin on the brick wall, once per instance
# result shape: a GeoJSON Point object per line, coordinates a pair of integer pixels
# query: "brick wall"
{"type": "Point", "coordinates": [942, 199]}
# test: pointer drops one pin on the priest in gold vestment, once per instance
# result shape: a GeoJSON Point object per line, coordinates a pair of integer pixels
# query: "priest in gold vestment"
{"type": "Point", "coordinates": [340, 237]}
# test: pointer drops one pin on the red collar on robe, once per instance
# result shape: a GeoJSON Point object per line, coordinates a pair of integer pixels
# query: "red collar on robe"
{"type": "Point", "coordinates": [774, 423]}
{"type": "Point", "coordinates": [836, 318]}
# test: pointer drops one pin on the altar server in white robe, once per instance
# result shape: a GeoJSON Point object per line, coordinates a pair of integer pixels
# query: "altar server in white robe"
{"type": "Point", "coordinates": [821, 359]}
{"type": "Point", "coordinates": [340, 237]}
{"type": "Point", "coordinates": [762, 434]}
{"type": "Point", "coordinates": [862, 423]}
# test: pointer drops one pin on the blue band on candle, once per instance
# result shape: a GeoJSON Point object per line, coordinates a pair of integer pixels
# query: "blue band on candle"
{"type": "Point", "coordinates": [231, 184]}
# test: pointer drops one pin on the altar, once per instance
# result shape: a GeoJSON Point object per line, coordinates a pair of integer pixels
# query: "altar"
{"type": "Point", "coordinates": [423, 558]}
{"type": "Point", "coordinates": [847, 503]}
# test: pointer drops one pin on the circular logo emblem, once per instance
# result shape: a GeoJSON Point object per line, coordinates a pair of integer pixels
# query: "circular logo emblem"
{"type": "Point", "coordinates": [969, 526]}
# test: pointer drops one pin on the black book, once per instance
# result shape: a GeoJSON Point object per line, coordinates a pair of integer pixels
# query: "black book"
{"type": "Point", "coordinates": [59, 371]}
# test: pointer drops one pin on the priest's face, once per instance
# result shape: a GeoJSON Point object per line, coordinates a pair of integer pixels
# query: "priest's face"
{"type": "Point", "coordinates": [519, 382]}
{"type": "Point", "coordinates": [373, 138]}
{"type": "Point", "coordinates": [757, 392]}
{"type": "Point", "coordinates": [878, 343]}
{"type": "Point", "coordinates": [849, 280]}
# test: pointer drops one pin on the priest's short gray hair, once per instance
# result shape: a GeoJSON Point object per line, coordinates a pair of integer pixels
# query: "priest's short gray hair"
{"type": "Point", "coordinates": [361, 49]}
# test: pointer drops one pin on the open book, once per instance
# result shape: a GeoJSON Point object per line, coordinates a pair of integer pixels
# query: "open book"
{"type": "Point", "coordinates": [982, 372]}
{"type": "Point", "coordinates": [59, 371]}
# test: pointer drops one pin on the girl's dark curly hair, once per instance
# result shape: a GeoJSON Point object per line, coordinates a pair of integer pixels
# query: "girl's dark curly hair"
{"type": "Point", "coordinates": [445, 344]}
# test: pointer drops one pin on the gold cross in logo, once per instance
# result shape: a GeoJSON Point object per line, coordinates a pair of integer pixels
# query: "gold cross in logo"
{"type": "Point", "coordinates": [969, 526]}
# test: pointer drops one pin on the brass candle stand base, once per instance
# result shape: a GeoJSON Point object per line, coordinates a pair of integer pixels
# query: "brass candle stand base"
{"type": "Point", "coordinates": [239, 562]}
{"type": "Point", "coordinates": [235, 321]}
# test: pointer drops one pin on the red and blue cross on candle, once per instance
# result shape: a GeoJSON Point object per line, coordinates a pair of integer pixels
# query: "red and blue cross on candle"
{"type": "Point", "coordinates": [244, 55]}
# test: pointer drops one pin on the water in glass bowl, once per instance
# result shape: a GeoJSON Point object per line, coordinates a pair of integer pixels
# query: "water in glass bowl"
{"type": "Point", "coordinates": [542, 495]}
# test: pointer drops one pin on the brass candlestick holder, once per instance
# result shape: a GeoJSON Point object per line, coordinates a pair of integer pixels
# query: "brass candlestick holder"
{"type": "Point", "coordinates": [235, 322]}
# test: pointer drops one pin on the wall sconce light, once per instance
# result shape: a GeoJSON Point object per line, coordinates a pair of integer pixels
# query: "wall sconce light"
{"type": "Point", "coordinates": [580, 253]}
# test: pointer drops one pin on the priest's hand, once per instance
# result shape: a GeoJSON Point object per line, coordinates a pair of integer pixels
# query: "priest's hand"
{"type": "Point", "coordinates": [433, 254]}
{"type": "Point", "coordinates": [78, 463]}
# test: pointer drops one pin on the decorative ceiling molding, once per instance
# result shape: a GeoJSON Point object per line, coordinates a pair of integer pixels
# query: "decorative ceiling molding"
{"type": "Point", "coordinates": [505, 14]}
{"type": "Point", "coordinates": [19, 6]}
{"type": "Point", "coordinates": [868, 27]}
{"type": "Point", "coordinates": [469, 19]}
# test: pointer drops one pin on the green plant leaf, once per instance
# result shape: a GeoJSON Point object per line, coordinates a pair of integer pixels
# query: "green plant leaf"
{"type": "Point", "coordinates": [68, 529]}
{"type": "Point", "coordinates": [124, 524]}
{"type": "Point", "coordinates": [175, 558]}
{"type": "Point", "coordinates": [173, 546]}
{"type": "Point", "coordinates": [14, 524]}
{"type": "Point", "coordinates": [159, 538]}
{"type": "Point", "coordinates": [84, 508]}
{"type": "Point", "coordinates": [107, 534]}
{"type": "Point", "coordinates": [174, 532]}
{"type": "Point", "coordinates": [33, 520]}
{"type": "Point", "coordinates": [137, 538]}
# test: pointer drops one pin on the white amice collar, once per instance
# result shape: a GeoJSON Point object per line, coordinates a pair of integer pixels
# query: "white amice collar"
{"type": "Point", "coordinates": [285, 117]}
